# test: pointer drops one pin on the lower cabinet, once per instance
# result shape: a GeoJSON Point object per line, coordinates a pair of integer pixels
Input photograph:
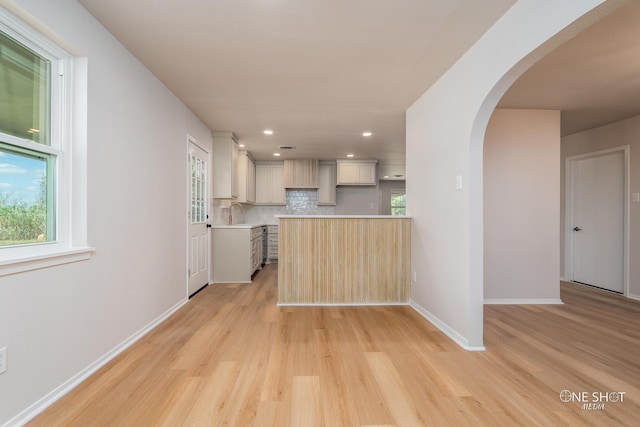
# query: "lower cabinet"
{"type": "Point", "coordinates": [256, 249]}
{"type": "Point", "coordinates": [237, 253]}
{"type": "Point", "coordinates": [272, 244]}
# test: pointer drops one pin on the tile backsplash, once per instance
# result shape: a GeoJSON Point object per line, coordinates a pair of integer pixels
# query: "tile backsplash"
{"type": "Point", "coordinates": [305, 202]}
{"type": "Point", "coordinates": [299, 202]}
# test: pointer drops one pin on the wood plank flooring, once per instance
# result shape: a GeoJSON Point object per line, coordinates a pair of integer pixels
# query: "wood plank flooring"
{"type": "Point", "coordinates": [231, 357]}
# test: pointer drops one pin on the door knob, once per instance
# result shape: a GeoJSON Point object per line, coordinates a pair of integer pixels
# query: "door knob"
{"type": "Point", "coordinates": [577, 228]}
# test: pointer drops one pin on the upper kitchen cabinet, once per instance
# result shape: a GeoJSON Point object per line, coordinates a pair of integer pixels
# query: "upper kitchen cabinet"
{"type": "Point", "coordinates": [270, 183]}
{"type": "Point", "coordinates": [327, 188]}
{"type": "Point", "coordinates": [356, 172]}
{"type": "Point", "coordinates": [224, 165]}
{"type": "Point", "coordinates": [301, 173]}
{"type": "Point", "coordinates": [246, 178]}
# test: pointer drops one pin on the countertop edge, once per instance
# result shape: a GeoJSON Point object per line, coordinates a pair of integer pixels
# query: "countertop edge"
{"type": "Point", "coordinates": [247, 226]}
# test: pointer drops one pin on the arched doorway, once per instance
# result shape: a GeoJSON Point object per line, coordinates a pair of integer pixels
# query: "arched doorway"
{"type": "Point", "coordinates": [445, 135]}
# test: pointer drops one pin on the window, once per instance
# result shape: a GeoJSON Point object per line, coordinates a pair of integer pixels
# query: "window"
{"type": "Point", "coordinates": [27, 158]}
{"type": "Point", "coordinates": [35, 144]}
{"type": "Point", "coordinates": [198, 190]}
{"type": "Point", "coordinates": [398, 202]}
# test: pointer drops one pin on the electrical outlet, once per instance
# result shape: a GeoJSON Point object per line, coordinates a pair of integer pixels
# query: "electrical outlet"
{"type": "Point", "coordinates": [3, 360]}
{"type": "Point", "coordinates": [414, 276]}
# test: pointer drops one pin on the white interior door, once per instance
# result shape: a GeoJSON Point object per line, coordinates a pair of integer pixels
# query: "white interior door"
{"type": "Point", "coordinates": [597, 229]}
{"type": "Point", "coordinates": [198, 219]}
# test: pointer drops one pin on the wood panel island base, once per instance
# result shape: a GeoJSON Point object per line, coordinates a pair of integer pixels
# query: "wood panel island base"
{"type": "Point", "coordinates": [343, 260]}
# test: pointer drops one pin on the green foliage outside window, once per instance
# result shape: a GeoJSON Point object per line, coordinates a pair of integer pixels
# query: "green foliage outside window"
{"type": "Point", "coordinates": [398, 203]}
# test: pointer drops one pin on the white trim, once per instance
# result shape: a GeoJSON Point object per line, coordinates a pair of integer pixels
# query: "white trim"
{"type": "Point", "coordinates": [444, 328]}
{"type": "Point", "coordinates": [30, 145]}
{"type": "Point", "coordinates": [42, 44]}
{"type": "Point", "coordinates": [633, 296]}
{"type": "Point", "coordinates": [191, 140]}
{"type": "Point", "coordinates": [50, 398]}
{"type": "Point", "coordinates": [347, 304]}
{"type": "Point", "coordinates": [524, 301]}
{"type": "Point", "coordinates": [569, 199]}
{"type": "Point", "coordinates": [44, 260]}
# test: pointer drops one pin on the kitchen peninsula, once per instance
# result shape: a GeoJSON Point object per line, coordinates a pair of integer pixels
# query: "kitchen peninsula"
{"type": "Point", "coordinates": [345, 260]}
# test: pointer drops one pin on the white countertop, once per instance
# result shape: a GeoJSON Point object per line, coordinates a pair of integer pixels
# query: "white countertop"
{"type": "Point", "coordinates": [345, 216]}
{"type": "Point", "coordinates": [240, 226]}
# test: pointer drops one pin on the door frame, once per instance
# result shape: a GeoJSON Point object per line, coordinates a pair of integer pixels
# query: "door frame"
{"type": "Point", "coordinates": [192, 140]}
{"type": "Point", "coordinates": [570, 163]}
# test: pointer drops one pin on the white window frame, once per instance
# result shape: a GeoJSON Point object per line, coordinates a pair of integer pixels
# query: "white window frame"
{"type": "Point", "coordinates": [70, 244]}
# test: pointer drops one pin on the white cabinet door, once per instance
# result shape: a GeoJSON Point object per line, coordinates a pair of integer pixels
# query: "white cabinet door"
{"type": "Point", "coordinates": [224, 166]}
{"type": "Point", "coordinates": [357, 172]}
{"type": "Point", "coordinates": [246, 179]}
{"type": "Point", "coordinates": [270, 184]}
{"type": "Point", "coordinates": [347, 173]}
{"type": "Point", "coordinates": [235, 185]}
{"type": "Point", "coordinates": [251, 182]}
{"type": "Point", "coordinates": [327, 189]}
{"type": "Point", "coordinates": [278, 195]}
{"type": "Point", "coordinates": [263, 195]}
{"type": "Point", "coordinates": [367, 173]}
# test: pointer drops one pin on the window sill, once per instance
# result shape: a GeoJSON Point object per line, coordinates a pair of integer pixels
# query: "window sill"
{"type": "Point", "coordinates": [45, 259]}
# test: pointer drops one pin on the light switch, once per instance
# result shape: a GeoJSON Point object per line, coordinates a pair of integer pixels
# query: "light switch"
{"type": "Point", "coordinates": [458, 182]}
{"type": "Point", "coordinates": [635, 197]}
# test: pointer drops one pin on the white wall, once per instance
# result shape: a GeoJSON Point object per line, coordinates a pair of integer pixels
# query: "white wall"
{"type": "Point", "coordinates": [625, 132]}
{"type": "Point", "coordinates": [445, 133]}
{"type": "Point", "coordinates": [357, 200]}
{"type": "Point", "coordinates": [521, 206]}
{"type": "Point", "coordinates": [58, 321]}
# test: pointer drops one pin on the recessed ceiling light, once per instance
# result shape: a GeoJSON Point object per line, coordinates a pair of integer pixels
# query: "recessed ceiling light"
{"type": "Point", "coordinates": [268, 132]}
{"type": "Point", "coordinates": [276, 154]}
{"type": "Point", "coordinates": [349, 155]}
{"type": "Point", "coordinates": [241, 145]}
{"type": "Point", "coordinates": [367, 134]}
{"type": "Point", "coordinates": [386, 176]}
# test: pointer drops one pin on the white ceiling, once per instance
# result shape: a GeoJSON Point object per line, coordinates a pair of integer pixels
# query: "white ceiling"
{"type": "Point", "coordinates": [594, 78]}
{"type": "Point", "coordinates": [317, 72]}
{"type": "Point", "coordinates": [321, 72]}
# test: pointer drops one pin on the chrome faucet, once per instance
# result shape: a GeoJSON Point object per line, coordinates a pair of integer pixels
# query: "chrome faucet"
{"type": "Point", "coordinates": [231, 211]}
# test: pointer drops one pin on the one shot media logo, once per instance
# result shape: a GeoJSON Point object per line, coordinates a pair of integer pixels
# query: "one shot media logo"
{"type": "Point", "coordinates": [592, 400]}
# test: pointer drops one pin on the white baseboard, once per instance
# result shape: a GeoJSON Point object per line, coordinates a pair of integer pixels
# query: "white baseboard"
{"type": "Point", "coordinates": [547, 301]}
{"type": "Point", "coordinates": [36, 408]}
{"type": "Point", "coordinates": [446, 329]}
{"type": "Point", "coordinates": [340, 304]}
{"type": "Point", "coordinates": [633, 296]}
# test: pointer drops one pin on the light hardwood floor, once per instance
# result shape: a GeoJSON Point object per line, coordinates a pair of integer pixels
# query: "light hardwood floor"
{"type": "Point", "coordinates": [231, 357]}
